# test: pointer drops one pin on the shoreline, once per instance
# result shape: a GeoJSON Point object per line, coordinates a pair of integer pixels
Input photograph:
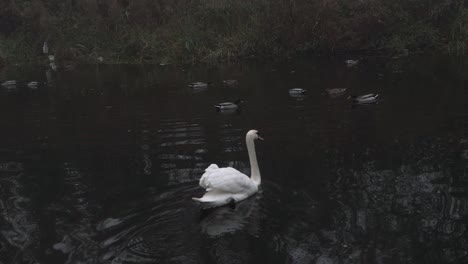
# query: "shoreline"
{"type": "Point", "coordinates": [356, 54]}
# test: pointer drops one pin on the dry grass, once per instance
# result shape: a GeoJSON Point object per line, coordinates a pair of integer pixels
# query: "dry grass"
{"type": "Point", "coordinates": [214, 30]}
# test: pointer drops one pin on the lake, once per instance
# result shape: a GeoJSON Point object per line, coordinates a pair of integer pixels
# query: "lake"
{"type": "Point", "coordinates": [98, 163]}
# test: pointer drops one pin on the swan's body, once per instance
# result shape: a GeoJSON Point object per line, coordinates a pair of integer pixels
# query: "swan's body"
{"type": "Point", "coordinates": [227, 185]}
{"type": "Point", "coordinates": [295, 91]}
{"type": "Point", "coordinates": [365, 99]}
{"type": "Point", "coordinates": [228, 105]}
{"type": "Point", "coordinates": [198, 85]}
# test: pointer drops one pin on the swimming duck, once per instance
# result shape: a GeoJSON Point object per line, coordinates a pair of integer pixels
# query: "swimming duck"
{"type": "Point", "coordinates": [335, 91]}
{"type": "Point", "coordinates": [364, 99]}
{"type": "Point", "coordinates": [230, 82]}
{"type": "Point", "coordinates": [53, 66]}
{"type": "Point", "coordinates": [11, 84]}
{"type": "Point", "coordinates": [198, 85]}
{"type": "Point", "coordinates": [33, 84]}
{"type": "Point", "coordinates": [228, 105]}
{"type": "Point", "coordinates": [297, 91]}
{"type": "Point", "coordinates": [351, 62]}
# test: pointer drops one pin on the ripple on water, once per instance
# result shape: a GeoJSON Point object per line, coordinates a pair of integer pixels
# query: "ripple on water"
{"type": "Point", "coordinates": [18, 228]}
{"type": "Point", "coordinates": [170, 227]}
{"type": "Point", "coordinates": [182, 150]}
{"type": "Point", "coordinates": [162, 230]}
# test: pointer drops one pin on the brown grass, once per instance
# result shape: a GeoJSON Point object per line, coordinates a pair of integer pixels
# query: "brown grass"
{"type": "Point", "coordinates": [213, 30]}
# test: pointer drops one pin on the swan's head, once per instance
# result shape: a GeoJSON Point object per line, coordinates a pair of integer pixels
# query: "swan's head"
{"type": "Point", "coordinates": [253, 134]}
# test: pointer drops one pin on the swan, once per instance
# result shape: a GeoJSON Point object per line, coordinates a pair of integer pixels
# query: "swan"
{"type": "Point", "coordinates": [228, 105]}
{"type": "Point", "coordinates": [228, 185]}
{"type": "Point", "coordinates": [364, 99]}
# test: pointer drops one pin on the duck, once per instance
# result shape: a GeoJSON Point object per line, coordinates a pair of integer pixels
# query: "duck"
{"type": "Point", "coordinates": [198, 85]}
{"type": "Point", "coordinates": [230, 82]}
{"type": "Point", "coordinates": [33, 84]}
{"type": "Point", "coordinates": [335, 91]}
{"type": "Point", "coordinates": [227, 185]}
{"type": "Point", "coordinates": [228, 105]}
{"type": "Point", "coordinates": [53, 66]}
{"type": "Point", "coordinates": [364, 99]}
{"type": "Point", "coordinates": [297, 91]}
{"type": "Point", "coordinates": [351, 62]}
{"type": "Point", "coordinates": [45, 48]}
{"type": "Point", "coordinates": [11, 84]}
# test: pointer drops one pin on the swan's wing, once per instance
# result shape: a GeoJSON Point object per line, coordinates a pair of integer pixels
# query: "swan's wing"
{"type": "Point", "coordinates": [225, 179]}
{"type": "Point", "coordinates": [203, 183]}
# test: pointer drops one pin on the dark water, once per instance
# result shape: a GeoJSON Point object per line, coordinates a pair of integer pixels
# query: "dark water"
{"type": "Point", "coordinates": [99, 164]}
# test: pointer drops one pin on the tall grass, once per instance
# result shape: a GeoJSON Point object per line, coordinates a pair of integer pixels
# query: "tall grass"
{"type": "Point", "coordinates": [459, 33]}
{"type": "Point", "coordinates": [214, 30]}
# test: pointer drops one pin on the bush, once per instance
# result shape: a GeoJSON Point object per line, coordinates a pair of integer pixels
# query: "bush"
{"type": "Point", "coordinates": [213, 30]}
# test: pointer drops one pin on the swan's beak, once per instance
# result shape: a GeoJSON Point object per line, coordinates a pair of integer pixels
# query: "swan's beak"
{"type": "Point", "coordinates": [259, 137]}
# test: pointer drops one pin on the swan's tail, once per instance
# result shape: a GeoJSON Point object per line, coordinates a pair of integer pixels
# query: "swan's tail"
{"type": "Point", "coordinates": [375, 96]}
{"type": "Point", "coordinates": [208, 203]}
{"type": "Point", "coordinates": [212, 167]}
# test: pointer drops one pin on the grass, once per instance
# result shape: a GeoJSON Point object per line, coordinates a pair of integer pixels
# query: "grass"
{"type": "Point", "coordinates": [185, 31]}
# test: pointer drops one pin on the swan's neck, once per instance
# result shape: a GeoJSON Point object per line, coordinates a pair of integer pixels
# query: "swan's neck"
{"type": "Point", "coordinates": [255, 172]}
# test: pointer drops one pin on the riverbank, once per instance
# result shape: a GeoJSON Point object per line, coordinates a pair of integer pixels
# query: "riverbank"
{"type": "Point", "coordinates": [210, 31]}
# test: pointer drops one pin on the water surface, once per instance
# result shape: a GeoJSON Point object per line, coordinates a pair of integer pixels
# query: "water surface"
{"type": "Point", "coordinates": [99, 163]}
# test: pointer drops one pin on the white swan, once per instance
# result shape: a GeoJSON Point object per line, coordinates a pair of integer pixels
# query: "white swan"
{"type": "Point", "coordinates": [227, 185]}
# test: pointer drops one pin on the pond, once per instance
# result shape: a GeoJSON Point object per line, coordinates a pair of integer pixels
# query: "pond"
{"type": "Point", "coordinates": [99, 163]}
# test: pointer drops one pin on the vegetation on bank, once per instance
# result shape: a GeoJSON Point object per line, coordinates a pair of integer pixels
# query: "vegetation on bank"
{"type": "Point", "coordinates": [215, 30]}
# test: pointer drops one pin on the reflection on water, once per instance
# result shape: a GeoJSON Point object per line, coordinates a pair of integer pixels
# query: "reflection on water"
{"type": "Point", "coordinates": [224, 220]}
{"type": "Point", "coordinates": [98, 164]}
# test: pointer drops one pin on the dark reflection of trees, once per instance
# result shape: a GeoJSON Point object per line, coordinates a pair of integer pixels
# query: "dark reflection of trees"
{"type": "Point", "coordinates": [410, 210]}
{"type": "Point", "coordinates": [415, 213]}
